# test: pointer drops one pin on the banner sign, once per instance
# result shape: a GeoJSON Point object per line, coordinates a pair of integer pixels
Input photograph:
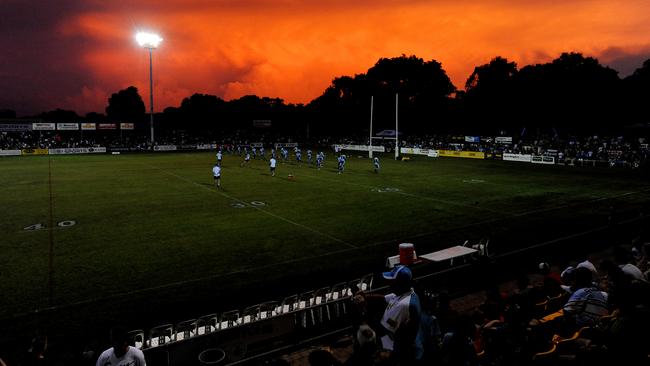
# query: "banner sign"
{"type": "Point", "coordinates": [433, 154]}
{"type": "Point", "coordinates": [503, 140]}
{"type": "Point", "coordinates": [186, 147]}
{"type": "Point", "coordinates": [67, 126]}
{"type": "Point", "coordinates": [34, 152]}
{"type": "Point", "coordinates": [286, 144]}
{"type": "Point", "coordinates": [15, 127]}
{"type": "Point", "coordinates": [543, 160]}
{"type": "Point", "coordinates": [462, 154]}
{"type": "Point", "coordinates": [106, 126]}
{"type": "Point", "coordinates": [524, 158]}
{"type": "Point", "coordinates": [43, 126]}
{"type": "Point", "coordinates": [88, 127]}
{"type": "Point", "coordinates": [164, 148]}
{"type": "Point", "coordinates": [360, 148]}
{"type": "Point", "coordinates": [261, 123]}
{"type": "Point", "coordinates": [257, 144]}
{"type": "Point", "coordinates": [472, 138]}
{"type": "Point", "coordinates": [205, 147]}
{"type": "Point", "coordinates": [10, 152]}
{"type": "Point", "coordinates": [77, 150]}
{"type": "Point", "coordinates": [418, 151]}
{"type": "Point", "coordinates": [126, 126]}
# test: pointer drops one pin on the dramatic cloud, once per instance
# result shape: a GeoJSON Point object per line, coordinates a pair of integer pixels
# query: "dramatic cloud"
{"type": "Point", "coordinates": [74, 54]}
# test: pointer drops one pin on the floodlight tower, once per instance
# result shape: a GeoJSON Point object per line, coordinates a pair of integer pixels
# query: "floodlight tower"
{"type": "Point", "coordinates": [149, 41]}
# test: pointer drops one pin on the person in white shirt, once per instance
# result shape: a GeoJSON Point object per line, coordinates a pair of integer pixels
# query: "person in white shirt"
{"type": "Point", "coordinates": [272, 164]}
{"type": "Point", "coordinates": [121, 354]}
{"type": "Point", "coordinates": [216, 173]}
{"type": "Point", "coordinates": [219, 157]}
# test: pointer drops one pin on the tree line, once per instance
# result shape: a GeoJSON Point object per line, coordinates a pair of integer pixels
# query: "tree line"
{"type": "Point", "coordinates": [571, 93]}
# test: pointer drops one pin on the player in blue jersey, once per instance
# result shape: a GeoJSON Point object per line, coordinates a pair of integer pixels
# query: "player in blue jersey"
{"type": "Point", "coordinates": [375, 162]}
{"type": "Point", "coordinates": [309, 156]}
{"type": "Point", "coordinates": [298, 156]}
{"type": "Point", "coordinates": [341, 164]}
{"type": "Point", "coordinates": [262, 153]}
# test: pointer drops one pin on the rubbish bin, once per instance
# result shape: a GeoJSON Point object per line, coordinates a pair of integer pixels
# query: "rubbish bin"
{"type": "Point", "coordinates": [212, 357]}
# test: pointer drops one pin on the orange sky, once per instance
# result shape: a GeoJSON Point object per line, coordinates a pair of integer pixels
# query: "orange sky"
{"type": "Point", "coordinates": [292, 49]}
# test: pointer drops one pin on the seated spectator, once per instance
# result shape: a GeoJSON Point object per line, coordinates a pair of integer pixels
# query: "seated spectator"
{"type": "Point", "coordinates": [37, 352]}
{"type": "Point", "coordinates": [587, 304]}
{"type": "Point", "coordinates": [552, 285]}
{"type": "Point", "coordinates": [322, 357]}
{"type": "Point", "coordinates": [623, 258]}
{"type": "Point", "coordinates": [365, 347]}
{"type": "Point", "coordinates": [121, 353]}
{"type": "Point", "coordinates": [458, 345]}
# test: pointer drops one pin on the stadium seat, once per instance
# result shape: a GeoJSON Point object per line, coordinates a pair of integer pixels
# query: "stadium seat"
{"type": "Point", "coordinates": [289, 304]}
{"type": "Point", "coordinates": [556, 303]}
{"type": "Point", "coordinates": [547, 357]}
{"type": "Point", "coordinates": [185, 329]}
{"type": "Point", "coordinates": [352, 287]}
{"type": "Point", "coordinates": [366, 282]}
{"type": "Point", "coordinates": [268, 309]}
{"type": "Point", "coordinates": [207, 324]}
{"type": "Point", "coordinates": [339, 292]}
{"type": "Point", "coordinates": [321, 298]}
{"type": "Point", "coordinates": [160, 335]}
{"type": "Point", "coordinates": [136, 338]}
{"type": "Point", "coordinates": [306, 300]}
{"type": "Point", "coordinates": [251, 314]}
{"type": "Point", "coordinates": [230, 319]}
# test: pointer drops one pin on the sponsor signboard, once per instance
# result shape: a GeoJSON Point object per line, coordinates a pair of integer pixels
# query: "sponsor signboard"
{"type": "Point", "coordinates": [43, 126]}
{"type": "Point", "coordinates": [472, 138]}
{"type": "Point", "coordinates": [543, 160]}
{"type": "Point", "coordinates": [34, 152]}
{"type": "Point", "coordinates": [524, 158]}
{"type": "Point", "coordinates": [10, 152]}
{"type": "Point", "coordinates": [462, 154]}
{"type": "Point", "coordinates": [126, 126]}
{"type": "Point", "coordinates": [67, 126]}
{"type": "Point", "coordinates": [261, 123]}
{"type": "Point", "coordinates": [77, 150]}
{"type": "Point", "coordinates": [433, 154]}
{"type": "Point", "coordinates": [164, 148]}
{"type": "Point", "coordinates": [88, 127]}
{"type": "Point", "coordinates": [15, 127]}
{"type": "Point", "coordinates": [186, 147]}
{"type": "Point", "coordinates": [503, 140]}
{"type": "Point", "coordinates": [204, 147]}
{"type": "Point", "coordinates": [106, 126]}
{"type": "Point", "coordinates": [286, 144]}
{"type": "Point", "coordinates": [360, 148]}
{"type": "Point", "coordinates": [418, 151]}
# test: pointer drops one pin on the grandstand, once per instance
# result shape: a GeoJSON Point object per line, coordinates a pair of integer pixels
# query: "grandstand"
{"type": "Point", "coordinates": [268, 265]}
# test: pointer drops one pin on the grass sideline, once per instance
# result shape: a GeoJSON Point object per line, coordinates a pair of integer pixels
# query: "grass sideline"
{"type": "Point", "coordinates": [153, 239]}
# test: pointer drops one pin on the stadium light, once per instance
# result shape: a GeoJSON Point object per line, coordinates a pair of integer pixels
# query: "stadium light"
{"type": "Point", "coordinates": [149, 41]}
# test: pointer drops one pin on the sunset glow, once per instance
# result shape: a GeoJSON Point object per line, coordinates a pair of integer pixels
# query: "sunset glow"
{"type": "Point", "coordinates": [75, 55]}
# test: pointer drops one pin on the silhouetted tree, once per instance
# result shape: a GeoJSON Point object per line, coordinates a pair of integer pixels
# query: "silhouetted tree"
{"type": "Point", "coordinates": [202, 111]}
{"type": "Point", "coordinates": [637, 94]}
{"type": "Point", "coordinates": [95, 117]}
{"type": "Point", "coordinates": [60, 115]}
{"type": "Point", "coordinates": [126, 106]}
{"type": "Point", "coordinates": [7, 113]}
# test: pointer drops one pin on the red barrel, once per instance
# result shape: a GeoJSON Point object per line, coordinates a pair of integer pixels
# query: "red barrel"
{"type": "Point", "coordinates": [406, 254]}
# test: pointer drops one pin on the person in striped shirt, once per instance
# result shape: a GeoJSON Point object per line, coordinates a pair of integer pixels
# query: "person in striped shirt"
{"type": "Point", "coordinates": [587, 304]}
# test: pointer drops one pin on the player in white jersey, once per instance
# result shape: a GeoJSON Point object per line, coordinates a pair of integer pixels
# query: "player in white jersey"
{"type": "Point", "coordinates": [375, 162]}
{"type": "Point", "coordinates": [216, 174]}
{"type": "Point", "coordinates": [272, 164]}
{"type": "Point", "coordinates": [219, 157]}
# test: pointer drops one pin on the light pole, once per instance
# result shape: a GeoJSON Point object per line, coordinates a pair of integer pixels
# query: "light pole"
{"type": "Point", "coordinates": [149, 41]}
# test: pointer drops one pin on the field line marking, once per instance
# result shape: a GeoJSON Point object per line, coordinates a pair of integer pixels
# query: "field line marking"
{"type": "Point", "coordinates": [406, 194]}
{"type": "Point", "coordinates": [259, 209]}
{"type": "Point", "coordinates": [526, 213]}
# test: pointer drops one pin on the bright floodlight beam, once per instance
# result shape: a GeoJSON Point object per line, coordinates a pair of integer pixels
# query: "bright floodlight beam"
{"type": "Point", "coordinates": [149, 41]}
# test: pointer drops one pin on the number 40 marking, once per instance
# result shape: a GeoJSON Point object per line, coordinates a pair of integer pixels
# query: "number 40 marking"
{"type": "Point", "coordinates": [62, 224]}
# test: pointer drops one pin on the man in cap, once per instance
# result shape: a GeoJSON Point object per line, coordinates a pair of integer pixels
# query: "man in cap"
{"type": "Point", "coordinates": [400, 322]}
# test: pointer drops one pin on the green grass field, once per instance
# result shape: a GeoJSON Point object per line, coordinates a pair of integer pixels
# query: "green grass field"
{"type": "Point", "coordinates": [153, 226]}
